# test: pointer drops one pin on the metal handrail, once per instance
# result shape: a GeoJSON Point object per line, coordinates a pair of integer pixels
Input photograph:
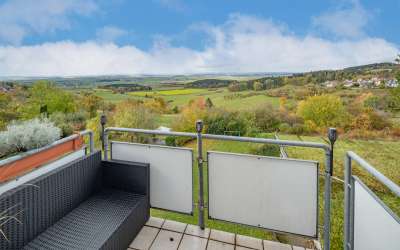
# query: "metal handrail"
{"type": "Point", "coordinates": [349, 193]}
{"type": "Point", "coordinates": [328, 149]}
{"type": "Point", "coordinates": [222, 137]}
{"type": "Point", "coordinates": [378, 175]}
{"type": "Point", "coordinates": [58, 142]}
{"type": "Point", "coordinates": [281, 148]}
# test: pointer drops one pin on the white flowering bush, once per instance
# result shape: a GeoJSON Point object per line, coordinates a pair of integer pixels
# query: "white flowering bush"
{"type": "Point", "coordinates": [5, 147]}
{"type": "Point", "coordinates": [26, 135]}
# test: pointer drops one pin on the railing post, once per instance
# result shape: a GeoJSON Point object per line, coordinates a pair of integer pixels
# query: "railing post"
{"type": "Point", "coordinates": [348, 190]}
{"type": "Point", "coordinates": [332, 136]}
{"type": "Point", "coordinates": [103, 136]}
{"type": "Point", "coordinates": [199, 129]}
{"type": "Point", "coordinates": [91, 141]}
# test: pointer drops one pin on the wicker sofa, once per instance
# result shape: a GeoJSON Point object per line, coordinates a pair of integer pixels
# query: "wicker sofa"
{"type": "Point", "coordinates": [86, 204]}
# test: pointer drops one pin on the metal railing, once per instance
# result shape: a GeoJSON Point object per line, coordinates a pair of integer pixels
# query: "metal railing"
{"type": "Point", "coordinates": [282, 150]}
{"type": "Point", "coordinates": [349, 193]}
{"type": "Point", "coordinates": [58, 142]}
{"type": "Point", "coordinates": [328, 149]}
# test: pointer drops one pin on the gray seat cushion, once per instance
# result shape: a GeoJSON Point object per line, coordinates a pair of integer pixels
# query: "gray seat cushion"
{"type": "Point", "coordinates": [94, 222]}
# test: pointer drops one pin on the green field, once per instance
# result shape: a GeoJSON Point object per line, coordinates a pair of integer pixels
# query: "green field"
{"type": "Point", "coordinates": [171, 92]}
{"type": "Point", "coordinates": [181, 97]}
{"type": "Point", "coordinates": [109, 96]}
{"type": "Point", "coordinates": [382, 154]}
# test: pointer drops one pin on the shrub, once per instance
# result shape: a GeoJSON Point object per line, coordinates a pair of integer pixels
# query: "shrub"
{"type": "Point", "coordinates": [219, 121]}
{"type": "Point", "coordinates": [69, 122]}
{"type": "Point", "coordinates": [284, 127]}
{"type": "Point", "coordinates": [266, 150]}
{"type": "Point", "coordinates": [323, 111]}
{"type": "Point", "coordinates": [46, 97]}
{"type": "Point", "coordinates": [298, 129]}
{"type": "Point", "coordinates": [5, 147]}
{"type": "Point", "coordinates": [196, 109]}
{"type": "Point", "coordinates": [170, 141]}
{"type": "Point", "coordinates": [266, 118]}
{"type": "Point", "coordinates": [27, 135]}
{"type": "Point", "coordinates": [134, 114]}
{"type": "Point", "coordinates": [371, 120]}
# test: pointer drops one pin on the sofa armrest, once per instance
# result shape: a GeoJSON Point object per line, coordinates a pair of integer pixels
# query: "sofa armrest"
{"type": "Point", "coordinates": [128, 176]}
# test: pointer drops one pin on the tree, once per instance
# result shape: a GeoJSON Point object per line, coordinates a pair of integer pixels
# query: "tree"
{"type": "Point", "coordinates": [258, 86]}
{"type": "Point", "coordinates": [394, 99]}
{"type": "Point", "coordinates": [91, 103]}
{"type": "Point", "coordinates": [209, 103]}
{"type": "Point", "coordinates": [157, 105]}
{"type": "Point", "coordinates": [133, 114]}
{"type": "Point", "coordinates": [7, 109]}
{"type": "Point", "coordinates": [221, 121]}
{"type": "Point", "coordinates": [46, 94]}
{"type": "Point", "coordinates": [266, 118]}
{"type": "Point", "coordinates": [322, 111]}
{"type": "Point", "coordinates": [195, 110]}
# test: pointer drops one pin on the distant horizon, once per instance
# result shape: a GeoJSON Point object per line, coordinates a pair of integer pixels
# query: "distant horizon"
{"type": "Point", "coordinates": [15, 78]}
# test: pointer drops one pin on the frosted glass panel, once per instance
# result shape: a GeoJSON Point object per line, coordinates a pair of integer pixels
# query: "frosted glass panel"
{"type": "Point", "coordinates": [273, 193]}
{"type": "Point", "coordinates": [170, 173]}
{"type": "Point", "coordinates": [374, 226]}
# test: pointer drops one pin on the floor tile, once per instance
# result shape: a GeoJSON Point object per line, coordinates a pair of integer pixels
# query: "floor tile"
{"type": "Point", "coordinates": [174, 226]}
{"type": "Point", "coordinates": [166, 240]}
{"type": "Point", "coordinates": [193, 243]}
{"type": "Point", "coordinates": [155, 222]}
{"type": "Point", "coordinates": [250, 242]}
{"type": "Point", "coordinates": [222, 236]}
{"type": "Point", "coordinates": [242, 248]}
{"type": "Point", "coordinates": [216, 245]}
{"type": "Point", "coordinates": [274, 245]}
{"type": "Point", "coordinates": [196, 231]}
{"type": "Point", "coordinates": [144, 239]}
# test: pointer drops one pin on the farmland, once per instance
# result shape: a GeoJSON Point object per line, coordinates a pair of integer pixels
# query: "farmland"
{"type": "Point", "coordinates": [180, 97]}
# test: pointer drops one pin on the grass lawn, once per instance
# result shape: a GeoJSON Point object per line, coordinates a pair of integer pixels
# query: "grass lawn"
{"type": "Point", "coordinates": [181, 97]}
{"type": "Point", "coordinates": [166, 120]}
{"type": "Point", "coordinates": [384, 155]}
{"type": "Point", "coordinates": [172, 92]}
{"type": "Point", "coordinates": [110, 96]}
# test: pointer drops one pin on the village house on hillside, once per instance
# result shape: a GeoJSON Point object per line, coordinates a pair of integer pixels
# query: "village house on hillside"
{"type": "Point", "coordinates": [392, 83]}
{"type": "Point", "coordinates": [374, 82]}
{"type": "Point", "coordinates": [6, 86]}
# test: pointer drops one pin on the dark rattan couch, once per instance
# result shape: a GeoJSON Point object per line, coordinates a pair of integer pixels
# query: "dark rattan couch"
{"type": "Point", "coordinates": [86, 204]}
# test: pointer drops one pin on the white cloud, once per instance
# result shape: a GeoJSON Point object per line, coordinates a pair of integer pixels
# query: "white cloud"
{"type": "Point", "coordinates": [241, 44]}
{"type": "Point", "coordinates": [19, 18]}
{"type": "Point", "coordinates": [110, 34]}
{"type": "Point", "coordinates": [346, 21]}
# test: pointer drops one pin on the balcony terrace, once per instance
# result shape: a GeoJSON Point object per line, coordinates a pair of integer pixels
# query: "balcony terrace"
{"type": "Point", "coordinates": [90, 199]}
{"type": "Point", "coordinates": [164, 234]}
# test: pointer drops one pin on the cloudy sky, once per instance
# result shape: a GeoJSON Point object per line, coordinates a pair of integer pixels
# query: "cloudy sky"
{"type": "Point", "coordinates": [102, 37]}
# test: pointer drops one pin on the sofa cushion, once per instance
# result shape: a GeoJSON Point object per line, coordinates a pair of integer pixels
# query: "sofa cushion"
{"type": "Point", "coordinates": [94, 224]}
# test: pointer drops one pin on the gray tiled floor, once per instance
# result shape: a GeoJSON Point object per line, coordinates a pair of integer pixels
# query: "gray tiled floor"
{"type": "Point", "coordinates": [165, 234]}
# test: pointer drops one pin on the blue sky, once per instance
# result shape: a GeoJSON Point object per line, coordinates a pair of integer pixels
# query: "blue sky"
{"type": "Point", "coordinates": [97, 37]}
